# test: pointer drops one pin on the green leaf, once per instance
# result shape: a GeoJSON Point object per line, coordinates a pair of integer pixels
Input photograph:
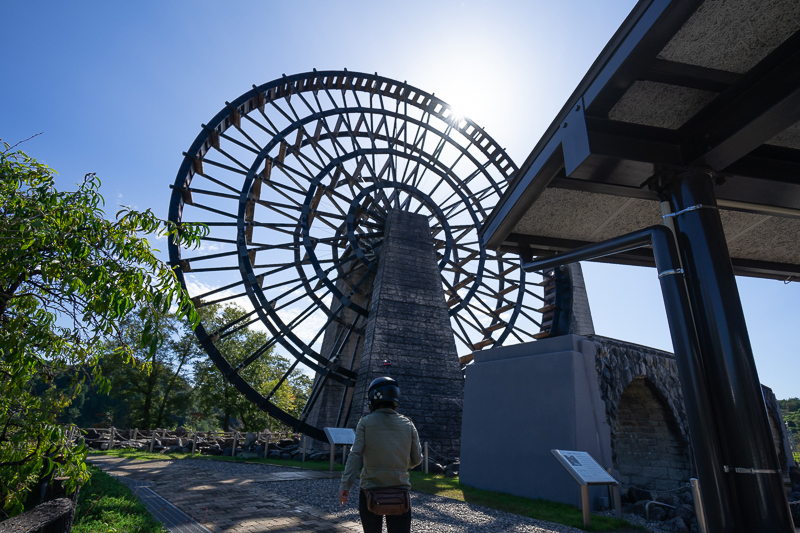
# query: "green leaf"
{"type": "Point", "coordinates": [98, 274]}
{"type": "Point", "coordinates": [50, 465]}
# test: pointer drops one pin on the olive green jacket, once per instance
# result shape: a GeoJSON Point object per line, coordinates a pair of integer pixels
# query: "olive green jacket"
{"type": "Point", "coordinates": [386, 446]}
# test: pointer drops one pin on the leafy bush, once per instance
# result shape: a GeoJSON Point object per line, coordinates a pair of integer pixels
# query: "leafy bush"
{"type": "Point", "coordinates": [68, 277]}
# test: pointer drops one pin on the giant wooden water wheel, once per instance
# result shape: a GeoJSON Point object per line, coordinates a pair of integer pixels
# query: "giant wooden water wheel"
{"type": "Point", "coordinates": [295, 178]}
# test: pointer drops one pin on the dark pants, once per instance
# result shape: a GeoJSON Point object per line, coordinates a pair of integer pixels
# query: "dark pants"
{"type": "Point", "coordinates": [371, 522]}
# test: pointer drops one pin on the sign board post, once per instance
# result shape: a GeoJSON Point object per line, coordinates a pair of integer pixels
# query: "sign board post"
{"type": "Point", "coordinates": [343, 436]}
{"type": "Point", "coordinates": [586, 471]}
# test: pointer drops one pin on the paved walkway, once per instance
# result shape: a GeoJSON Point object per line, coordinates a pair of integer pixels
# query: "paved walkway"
{"type": "Point", "coordinates": [223, 502]}
{"type": "Point", "coordinates": [172, 518]}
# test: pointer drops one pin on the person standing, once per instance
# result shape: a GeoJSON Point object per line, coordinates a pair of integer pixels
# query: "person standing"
{"type": "Point", "coordinates": [387, 446]}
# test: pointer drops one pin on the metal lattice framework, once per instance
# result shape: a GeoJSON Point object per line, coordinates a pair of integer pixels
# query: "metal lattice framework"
{"type": "Point", "coordinates": [295, 178]}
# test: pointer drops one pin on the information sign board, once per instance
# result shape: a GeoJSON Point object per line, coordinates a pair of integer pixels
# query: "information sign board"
{"type": "Point", "coordinates": [340, 436]}
{"type": "Point", "coordinates": [586, 471]}
{"type": "Point", "coordinates": [583, 467]}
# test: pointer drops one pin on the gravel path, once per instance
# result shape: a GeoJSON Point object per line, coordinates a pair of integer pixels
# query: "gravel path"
{"type": "Point", "coordinates": [431, 514]}
{"type": "Point", "coordinates": [236, 469]}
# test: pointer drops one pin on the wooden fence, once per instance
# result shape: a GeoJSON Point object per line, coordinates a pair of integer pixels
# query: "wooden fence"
{"type": "Point", "coordinates": [108, 438]}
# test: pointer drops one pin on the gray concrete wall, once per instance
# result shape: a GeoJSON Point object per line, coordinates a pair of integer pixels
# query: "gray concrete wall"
{"type": "Point", "coordinates": [619, 401]}
{"type": "Point", "coordinates": [538, 396]}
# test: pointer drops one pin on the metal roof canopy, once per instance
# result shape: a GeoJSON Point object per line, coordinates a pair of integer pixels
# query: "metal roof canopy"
{"type": "Point", "coordinates": [682, 83]}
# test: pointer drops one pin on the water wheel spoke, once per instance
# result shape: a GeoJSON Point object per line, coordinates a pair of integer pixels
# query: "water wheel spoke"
{"type": "Point", "coordinates": [283, 378]}
{"type": "Point", "coordinates": [213, 210]}
{"type": "Point", "coordinates": [206, 192]}
{"type": "Point", "coordinates": [223, 330]}
{"type": "Point", "coordinates": [464, 337]}
{"type": "Point", "coordinates": [252, 358]}
{"type": "Point", "coordinates": [223, 166]}
{"type": "Point", "coordinates": [242, 326]}
{"type": "Point", "coordinates": [220, 300]}
{"type": "Point", "coordinates": [217, 182]}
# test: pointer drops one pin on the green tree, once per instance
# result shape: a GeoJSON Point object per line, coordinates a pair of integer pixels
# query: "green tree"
{"type": "Point", "coordinates": [790, 410]}
{"type": "Point", "coordinates": [155, 385]}
{"type": "Point", "coordinates": [68, 277]}
{"type": "Point", "coordinates": [215, 393]}
{"type": "Point", "coordinates": [90, 407]}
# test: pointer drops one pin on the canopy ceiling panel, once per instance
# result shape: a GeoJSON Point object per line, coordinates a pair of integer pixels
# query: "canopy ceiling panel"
{"type": "Point", "coordinates": [788, 138]}
{"type": "Point", "coordinates": [683, 83]}
{"type": "Point", "coordinates": [733, 35]}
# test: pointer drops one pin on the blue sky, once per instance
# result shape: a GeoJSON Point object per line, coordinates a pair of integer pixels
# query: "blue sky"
{"type": "Point", "coordinates": [121, 89]}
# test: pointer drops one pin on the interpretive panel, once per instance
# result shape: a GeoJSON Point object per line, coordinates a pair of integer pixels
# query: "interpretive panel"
{"type": "Point", "coordinates": [340, 435]}
{"type": "Point", "coordinates": [583, 467]}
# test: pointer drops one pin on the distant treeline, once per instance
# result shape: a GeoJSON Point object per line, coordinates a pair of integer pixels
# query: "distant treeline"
{"type": "Point", "coordinates": [178, 385]}
{"type": "Point", "coordinates": [790, 410]}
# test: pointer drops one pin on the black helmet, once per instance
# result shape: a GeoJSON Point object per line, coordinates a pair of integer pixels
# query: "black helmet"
{"type": "Point", "coordinates": [381, 390]}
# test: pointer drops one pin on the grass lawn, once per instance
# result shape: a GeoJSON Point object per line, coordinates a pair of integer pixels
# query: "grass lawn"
{"type": "Point", "coordinates": [559, 513]}
{"type": "Point", "coordinates": [107, 506]}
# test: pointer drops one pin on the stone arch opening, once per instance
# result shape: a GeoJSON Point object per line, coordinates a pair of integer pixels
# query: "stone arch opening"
{"type": "Point", "coordinates": [647, 448]}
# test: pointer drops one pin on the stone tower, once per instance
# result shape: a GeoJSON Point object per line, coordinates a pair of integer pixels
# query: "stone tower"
{"type": "Point", "coordinates": [409, 325]}
{"type": "Point", "coordinates": [566, 310]}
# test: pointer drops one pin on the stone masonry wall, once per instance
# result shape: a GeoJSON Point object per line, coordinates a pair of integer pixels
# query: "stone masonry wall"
{"type": "Point", "coordinates": [618, 364]}
{"type": "Point", "coordinates": [649, 450]}
{"type": "Point", "coordinates": [780, 434]}
{"type": "Point", "coordinates": [409, 325]}
{"type": "Point", "coordinates": [623, 369]}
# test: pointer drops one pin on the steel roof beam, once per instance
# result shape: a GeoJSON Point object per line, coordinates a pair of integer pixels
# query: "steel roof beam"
{"type": "Point", "coordinates": [673, 73]}
{"type": "Point", "coordinates": [764, 103]}
{"type": "Point", "coordinates": [538, 246]}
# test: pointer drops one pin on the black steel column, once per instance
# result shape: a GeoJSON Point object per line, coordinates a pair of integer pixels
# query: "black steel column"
{"type": "Point", "coordinates": [737, 404]}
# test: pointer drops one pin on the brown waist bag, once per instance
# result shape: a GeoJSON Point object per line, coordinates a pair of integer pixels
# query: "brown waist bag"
{"type": "Point", "coordinates": [388, 501]}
